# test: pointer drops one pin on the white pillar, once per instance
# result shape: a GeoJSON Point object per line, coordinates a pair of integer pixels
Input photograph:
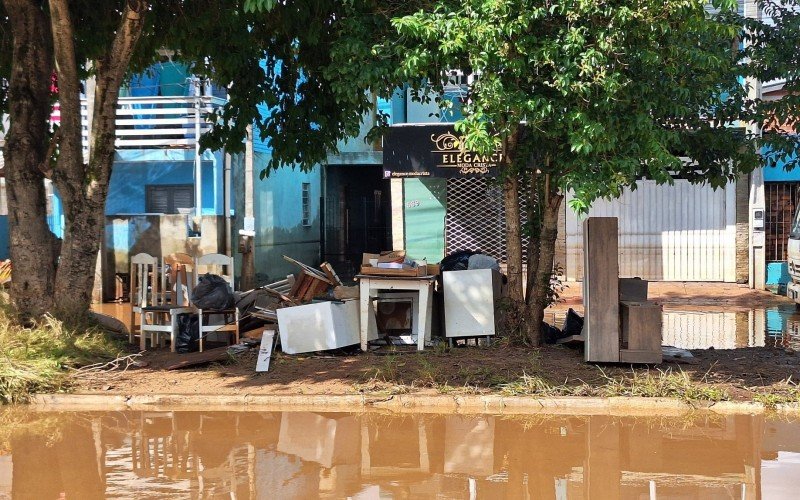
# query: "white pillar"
{"type": "Point", "coordinates": [398, 216]}
{"type": "Point", "coordinates": [198, 164]}
{"type": "Point", "coordinates": [757, 203]}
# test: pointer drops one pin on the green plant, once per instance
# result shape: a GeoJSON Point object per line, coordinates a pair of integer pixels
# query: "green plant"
{"type": "Point", "coordinates": [427, 371]}
{"type": "Point", "coordinates": [662, 384]}
{"type": "Point", "coordinates": [787, 392]}
{"type": "Point", "coordinates": [532, 385]}
{"type": "Point", "coordinates": [386, 370]}
{"type": "Point", "coordinates": [37, 358]}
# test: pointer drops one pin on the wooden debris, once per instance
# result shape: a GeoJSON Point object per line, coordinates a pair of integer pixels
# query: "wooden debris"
{"type": "Point", "coordinates": [255, 333]}
{"type": "Point", "coordinates": [307, 286]}
{"type": "Point", "coordinates": [198, 358]}
{"type": "Point", "coordinates": [346, 292]}
{"type": "Point", "coordinates": [331, 273]}
{"type": "Point", "coordinates": [265, 350]}
{"type": "Point", "coordinates": [310, 270]}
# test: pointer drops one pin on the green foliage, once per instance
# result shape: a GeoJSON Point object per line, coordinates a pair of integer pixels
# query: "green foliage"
{"type": "Point", "coordinates": [37, 358]}
{"type": "Point", "coordinates": [272, 55]}
{"type": "Point", "coordinates": [609, 92]}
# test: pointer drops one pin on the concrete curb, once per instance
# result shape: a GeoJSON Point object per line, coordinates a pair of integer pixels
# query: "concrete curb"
{"type": "Point", "coordinates": [402, 403]}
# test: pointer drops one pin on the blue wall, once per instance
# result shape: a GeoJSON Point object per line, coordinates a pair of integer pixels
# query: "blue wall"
{"type": "Point", "coordinates": [4, 237]}
{"type": "Point", "coordinates": [778, 174]}
{"type": "Point", "coordinates": [133, 170]}
{"type": "Point", "coordinates": [278, 218]}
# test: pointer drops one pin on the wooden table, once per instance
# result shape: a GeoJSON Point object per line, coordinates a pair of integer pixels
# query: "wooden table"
{"type": "Point", "coordinates": [422, 309]}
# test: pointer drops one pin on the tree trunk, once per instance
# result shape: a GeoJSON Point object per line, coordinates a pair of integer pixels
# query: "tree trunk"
{"type": "Point", "coordinates": [33, 246]}
{"type": "Point", "coordinates": [84, 187]}
{"type": "Point", "coordinates": [540, 297]}
{"type": "Point", "coordinates": [534, 226]}
{"type": "Point", "coordinates": [513, 220]}
{"type": "Point", "coordinates": [513, 239]}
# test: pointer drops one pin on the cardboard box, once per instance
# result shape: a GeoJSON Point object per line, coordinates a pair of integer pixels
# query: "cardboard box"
{"type": "Point", "coordinates": [394, 256]}
{"type": "Point", "coordinates": [367, 257]}
{"type": "Point", "coordinates": [407, 271]}
{"type": "Point", "coordinates": [383, 257]}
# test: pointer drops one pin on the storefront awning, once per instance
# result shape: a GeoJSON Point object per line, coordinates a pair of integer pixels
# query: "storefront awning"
{"type": "Point", "coordinates": [432, 150]}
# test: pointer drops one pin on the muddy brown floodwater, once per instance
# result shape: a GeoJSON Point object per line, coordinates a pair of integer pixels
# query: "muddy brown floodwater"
{"type": "Point", "coordinates": [165, 454]}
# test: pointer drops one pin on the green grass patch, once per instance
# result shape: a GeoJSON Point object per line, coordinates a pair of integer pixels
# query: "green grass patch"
{"type": "Point", "coordinates": [38, 358]}
{"type": "Point", "coordinates": [787, 392]}
{"type": "Point", "coordinates": [662, 384]}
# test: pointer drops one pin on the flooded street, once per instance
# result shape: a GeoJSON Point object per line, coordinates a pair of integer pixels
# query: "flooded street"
{"type": "Point", "coordinates": [370, 456]}
{"type": "Point", "coordinates": [720, 327]}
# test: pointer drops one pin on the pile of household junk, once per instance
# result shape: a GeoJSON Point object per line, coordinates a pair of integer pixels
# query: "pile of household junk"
{"type": "Point", "coordinates": [313, 310]}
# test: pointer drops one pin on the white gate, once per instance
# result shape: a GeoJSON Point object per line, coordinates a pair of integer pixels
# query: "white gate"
{"type": "Point", "coordinates": [679, 232]}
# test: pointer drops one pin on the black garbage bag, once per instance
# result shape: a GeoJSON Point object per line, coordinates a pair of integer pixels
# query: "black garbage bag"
{"type": "Point", "coordinates": [213, 292]}
{"type": "Point", "coordinates": [573, 323]}
{"type": "Point", "coordinates": [188, 339]}
{"type": "Point", "coordinates": [550, 333]}
{"type": "Point", "coordinates": [456, 261]}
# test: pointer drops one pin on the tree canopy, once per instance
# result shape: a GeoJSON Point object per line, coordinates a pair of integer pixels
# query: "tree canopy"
{"type": "Point", "coordinates": [589, 98]}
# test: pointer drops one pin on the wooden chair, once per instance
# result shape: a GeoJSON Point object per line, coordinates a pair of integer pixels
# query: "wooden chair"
{"type": "Point", "coordinates": [221, 265]}
{"type": "Point", "coordinates": [143, 288]}
{"type": "Point", "coordinates": [157, 314]}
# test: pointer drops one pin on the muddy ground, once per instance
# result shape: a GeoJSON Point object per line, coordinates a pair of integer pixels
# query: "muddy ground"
{"type": "Point", "coordinates": [736, 374]}
{"type": "Point", "coordinates": [740, 373]}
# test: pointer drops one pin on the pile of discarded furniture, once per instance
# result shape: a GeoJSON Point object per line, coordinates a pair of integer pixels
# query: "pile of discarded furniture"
{"type": "Point", "coordinates": [396, 300]}
{"type": "Point", "coordinates": [393, 303]}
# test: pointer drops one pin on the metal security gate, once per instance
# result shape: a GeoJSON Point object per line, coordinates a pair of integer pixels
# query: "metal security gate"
{"type": "Point", "coordinates": [476, 217]}
{"type": "Point", "coordinates": [781, 200]}
{"type": "Point", "coordinates": [679, 232]}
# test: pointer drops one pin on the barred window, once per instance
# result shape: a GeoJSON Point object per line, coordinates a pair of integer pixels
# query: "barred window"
{"type": "Point", "coordinates": [306, 200]}
{"type": "Point", "coordinates": [168, 198]}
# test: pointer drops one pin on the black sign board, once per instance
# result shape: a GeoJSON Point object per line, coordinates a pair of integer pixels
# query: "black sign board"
{"type": "Point", "coordinates": [432, 150]}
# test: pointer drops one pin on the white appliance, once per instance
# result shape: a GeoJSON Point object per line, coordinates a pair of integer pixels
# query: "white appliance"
{"type": "Point", "coordinates": [325, 440]}
{"type": "Point", "coordinates": [318, 326]}
{"type": "Point", "coordinates": [470, 297]}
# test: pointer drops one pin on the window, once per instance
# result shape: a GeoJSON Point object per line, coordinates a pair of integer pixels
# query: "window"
{"type": "Point", "coordinates": [306, 204]}
{"type": "Point", "coordinates": [168, 198]}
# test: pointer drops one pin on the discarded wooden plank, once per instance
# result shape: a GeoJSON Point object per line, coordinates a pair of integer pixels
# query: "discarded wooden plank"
{"type": "Point", "coordinates": [309, 269]}
{"type": "Point", "coordinates": [267, 314]}
{"type": "Point", "coordinates": [253, 334]}
{"type": "Point", "coordinates": [198, 358]}
{"type": "Point", "coordinates": [346, 292]}
{"type": "Point", "coordinates": [601, 289]}
{"type": "Point", "coordinates": [265, 351]}
{"type": "Point", "coordinates": [301, 286]}
{"type": "Point", "coordinates": [331, 273]}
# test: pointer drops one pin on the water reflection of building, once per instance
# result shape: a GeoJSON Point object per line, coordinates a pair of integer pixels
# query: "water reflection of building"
{"type": "Point", "coordinates": [370, 456]}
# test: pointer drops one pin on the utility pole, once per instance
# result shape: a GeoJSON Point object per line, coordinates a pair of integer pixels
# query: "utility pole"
{"type": "Point", "coordinates": [97, 289]}
{"type": "Point", "coordinates": [247, 233]}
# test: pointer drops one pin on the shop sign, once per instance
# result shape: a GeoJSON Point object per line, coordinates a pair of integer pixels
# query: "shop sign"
{"type": "Point", "coordinates": [433, 150]}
